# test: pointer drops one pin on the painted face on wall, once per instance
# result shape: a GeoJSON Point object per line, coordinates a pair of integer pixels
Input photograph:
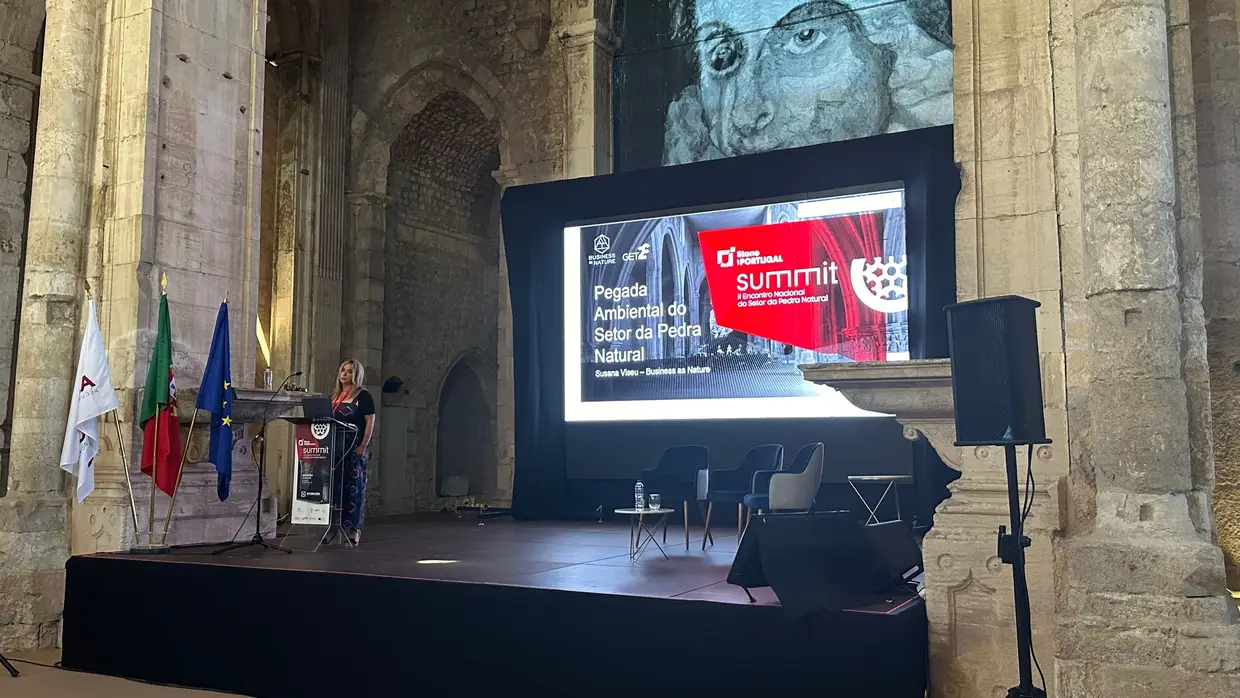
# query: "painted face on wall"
{"type": "Point", "coordinates": [785, 74]}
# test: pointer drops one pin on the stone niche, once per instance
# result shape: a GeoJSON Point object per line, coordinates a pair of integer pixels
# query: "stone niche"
{"type": "Point", "coordinates": [968, 589]}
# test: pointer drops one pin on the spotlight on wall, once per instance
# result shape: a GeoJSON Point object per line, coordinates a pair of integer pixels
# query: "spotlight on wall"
{"type": "Point", "coordinates": [392, 385]}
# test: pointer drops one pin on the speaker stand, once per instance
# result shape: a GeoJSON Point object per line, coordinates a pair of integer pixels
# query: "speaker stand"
{"type": "Point", "coordinates": [1012, 552]}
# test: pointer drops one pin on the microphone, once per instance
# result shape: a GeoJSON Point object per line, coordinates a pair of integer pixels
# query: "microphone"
{"type": "Point", "coordinates": [275, 394]}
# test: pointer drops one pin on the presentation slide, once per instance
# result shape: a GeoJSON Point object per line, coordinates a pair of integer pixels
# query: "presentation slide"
{"type": "Point", "coordinates": [707, 315]}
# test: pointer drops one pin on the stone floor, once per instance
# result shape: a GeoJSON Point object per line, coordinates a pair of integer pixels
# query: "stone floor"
{"type": "Point", "coordinates": [40, 679]}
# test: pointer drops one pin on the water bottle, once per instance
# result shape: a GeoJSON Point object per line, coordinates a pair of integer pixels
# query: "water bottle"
{"type": "Point", "coordinates": [639, 495]}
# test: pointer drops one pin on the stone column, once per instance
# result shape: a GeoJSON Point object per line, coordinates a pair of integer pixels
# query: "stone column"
{"type": "Point", "coordinates": [1142, 609]}
{"type": "Point", "coordinates": [34, 515]}
{"type": "Point", "coordinates": [363, 279]}
{"type": "Point", "coordinates": [588, 48]}
{"type": "Point", "coordinates": [505, 400]}
{"type": "Point", "coordinates": [362, 336]}
{"type": "Point", "coordinates": [19, 87]}
{"type": "Point", "coordinates": [1215, 36]}
{"type": "Point", "coordinates": [333, 216]}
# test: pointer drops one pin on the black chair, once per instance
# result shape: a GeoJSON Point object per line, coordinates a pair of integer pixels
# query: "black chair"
{"type": "Point", "coordinates": [731, 486]}
{"type": "Point", "coordinates": [791, 489]}
{"type": "Point", "coordinates": [674, 479]}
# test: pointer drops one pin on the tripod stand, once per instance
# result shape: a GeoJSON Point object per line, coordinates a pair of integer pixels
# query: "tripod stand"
{"type": "Point", "coordinates": [262, 473]}
{"type": "Point", "coordinates": [8, 666]}
{"type": "Point", "coordinates": [335, 514]}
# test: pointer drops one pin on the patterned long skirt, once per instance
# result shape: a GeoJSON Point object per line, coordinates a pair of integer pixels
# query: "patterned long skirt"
{"type": "Point", "coordinates": [351, 492]}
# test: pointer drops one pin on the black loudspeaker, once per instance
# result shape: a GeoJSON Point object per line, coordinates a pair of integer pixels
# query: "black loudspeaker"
{"type": "Point", "coordinates": [996, 376]}
{"type": "Point", "coordinates": [824, 562]}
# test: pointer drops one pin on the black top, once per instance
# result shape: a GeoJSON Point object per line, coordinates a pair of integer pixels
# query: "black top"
{"type": "Point", "coordinates": [355, 413]}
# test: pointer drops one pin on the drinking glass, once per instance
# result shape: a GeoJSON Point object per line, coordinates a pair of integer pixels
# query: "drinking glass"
{"type": "Point", "coordinates": [654, 501]}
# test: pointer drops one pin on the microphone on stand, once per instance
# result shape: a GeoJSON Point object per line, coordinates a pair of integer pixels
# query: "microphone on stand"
{"type": "Point", "coordinates": [272, 399]}
{"type": "Point", "coordinates": [262, 472]}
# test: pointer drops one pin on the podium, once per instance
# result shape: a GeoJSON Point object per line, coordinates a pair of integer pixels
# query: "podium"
{"type": "Point", "coordinates": [321, 445]}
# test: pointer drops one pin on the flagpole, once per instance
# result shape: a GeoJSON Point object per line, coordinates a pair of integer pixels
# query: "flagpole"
{"type": "Point", "coordinates": [120, 446]}
{"type": "Point", "coordinates": [150, 521]}
{"type": "Point", "coordinates": [181, 471]}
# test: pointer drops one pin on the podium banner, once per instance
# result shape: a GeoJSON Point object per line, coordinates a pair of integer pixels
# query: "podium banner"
{"type": "Point", "coordinates": [312, 476]}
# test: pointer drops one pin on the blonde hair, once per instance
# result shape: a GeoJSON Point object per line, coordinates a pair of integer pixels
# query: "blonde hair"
{"type": "Point", "coordinates": [359, 375]}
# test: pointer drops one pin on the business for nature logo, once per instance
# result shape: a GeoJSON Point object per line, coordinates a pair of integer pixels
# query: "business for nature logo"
{"type": "Point", "coordinates": [602, 252]}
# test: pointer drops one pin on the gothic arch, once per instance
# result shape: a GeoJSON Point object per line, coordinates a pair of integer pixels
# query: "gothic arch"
{"type": "Point", "coordinates": [475, 361]}
{"type": "Point", "coordinates": [427, 160]}
{"type": "Point", "coordinates": [435, 71]}
{"type": "Point", "coordinates": [466, 396]}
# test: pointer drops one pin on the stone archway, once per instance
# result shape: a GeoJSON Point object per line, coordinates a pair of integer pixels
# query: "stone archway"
{"type": "Point", "coordinates": [462, 449]}
{"type": "Point", "coordinates": [375, 128]}
{"type": "Point", "coordinates": [441, 275]}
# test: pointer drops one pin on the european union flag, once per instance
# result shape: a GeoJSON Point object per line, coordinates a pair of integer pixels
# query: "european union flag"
{"type": "Point", "coordinates": [216, 396]}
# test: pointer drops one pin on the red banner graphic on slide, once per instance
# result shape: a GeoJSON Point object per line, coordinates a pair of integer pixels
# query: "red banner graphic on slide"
{"type": "Point", "coordinates": [819, 284]}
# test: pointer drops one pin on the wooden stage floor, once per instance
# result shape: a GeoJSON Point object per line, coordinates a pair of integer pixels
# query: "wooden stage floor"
{"type": "Point", "coordinates": [568, 556]}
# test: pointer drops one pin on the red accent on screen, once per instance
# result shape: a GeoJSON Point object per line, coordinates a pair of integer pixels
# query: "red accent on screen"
{"type": "Point", "coordinates": [798, 291]}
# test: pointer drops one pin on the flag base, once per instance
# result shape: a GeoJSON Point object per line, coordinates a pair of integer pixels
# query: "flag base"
{"type": "Point", "coordinates": [150, 549]}
{"type": "Point", "coordinates": [8, 666]}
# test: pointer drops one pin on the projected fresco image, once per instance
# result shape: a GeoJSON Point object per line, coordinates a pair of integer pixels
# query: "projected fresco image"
{"type": "Point", "coordinates": [700, 315]}
{"type": "Point", "coordinates": [707, 79]}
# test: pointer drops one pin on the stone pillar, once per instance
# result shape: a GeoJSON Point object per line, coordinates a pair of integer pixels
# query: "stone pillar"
{"type": "Point", "coordinates": [1190, 265]}
{"type": "Point", "coordinates": [34, 530]}
{"type": "Point", "coordinates": [295, 87]}
{"type": "Point", "coordinates": [19, 87]}
{"type": "Point", "coordinates": [505, 400]}
{"type": "Point", "coordinates": [182, 197]}
{"type": "Point", "coordinates": [333, 216]}
{"type": "Point", "coordinates": [363, 280]}
{"type": "Point", "coordinates": [1142, 609]}
{"type": "Point", "coordinates": [588, 48]}
{"type": "Point", "coordinates": [1215, 37]}
{"type": "Point", "coordinates": [362, 290]}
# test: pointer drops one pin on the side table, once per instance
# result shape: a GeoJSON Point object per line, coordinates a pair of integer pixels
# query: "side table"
{"type": "Point", "coordinates": [891, 481]}
{"type": "Point", "coordinates": [637, 524]}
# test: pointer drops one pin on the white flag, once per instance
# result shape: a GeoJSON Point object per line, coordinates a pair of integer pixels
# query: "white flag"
{"type": "Point", "coordinates": [93, 396]}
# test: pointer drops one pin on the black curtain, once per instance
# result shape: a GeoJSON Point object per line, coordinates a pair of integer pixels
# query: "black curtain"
{"type": "Point", "coordinates": [534, 218]}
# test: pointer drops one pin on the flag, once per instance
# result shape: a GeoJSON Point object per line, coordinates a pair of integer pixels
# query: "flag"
{"type": "Point", "coordinates": [215, 395]}
{"type": "Point", "coordinates": [161, 437]}
{"type": "Point", "coordinates": [93, 397]}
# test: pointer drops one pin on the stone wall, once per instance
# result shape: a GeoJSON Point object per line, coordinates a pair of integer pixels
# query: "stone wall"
{"type": "Point", "coordinates": [1215, 42]}
{"type": "Point", "coordinates": [441, 296]}
{"type": "Point", "coordinates": [506, 58]}
{"type": "Point", "coordinates": [21, 20]}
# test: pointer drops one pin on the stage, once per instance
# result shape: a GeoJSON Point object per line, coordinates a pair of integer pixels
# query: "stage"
{"type": "Point", "coordinates": [439, 603]}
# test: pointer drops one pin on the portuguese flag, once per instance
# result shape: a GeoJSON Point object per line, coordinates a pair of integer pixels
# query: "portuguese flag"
{"type": "Point", "coordinates": [161, 437]}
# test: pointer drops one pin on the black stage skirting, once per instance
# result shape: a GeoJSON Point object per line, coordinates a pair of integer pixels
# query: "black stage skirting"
{"type": "Point", "coordinates": [266, 632]}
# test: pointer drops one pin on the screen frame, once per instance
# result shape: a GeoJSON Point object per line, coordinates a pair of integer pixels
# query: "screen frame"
{"type": "Point", "coordinates": [533, 219]}
{"type": "Point", "coordinates": [825, 403]}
